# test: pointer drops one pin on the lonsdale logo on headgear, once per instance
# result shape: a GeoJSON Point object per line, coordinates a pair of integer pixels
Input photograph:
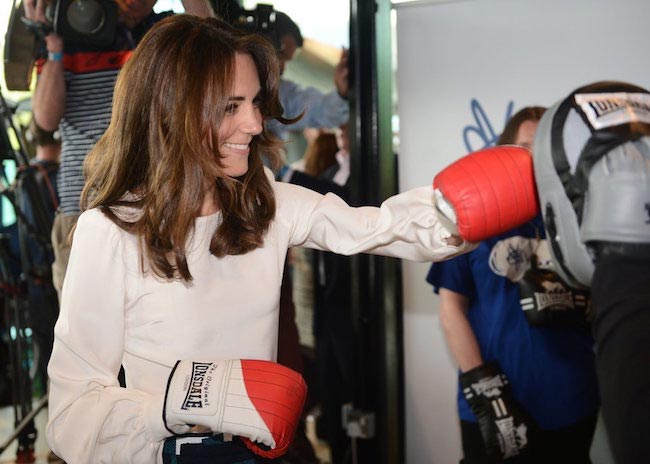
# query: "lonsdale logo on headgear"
{"type": "Point", "coordinates": [198, 381]}
{"type": "Point", "coordinates": [613, 109]}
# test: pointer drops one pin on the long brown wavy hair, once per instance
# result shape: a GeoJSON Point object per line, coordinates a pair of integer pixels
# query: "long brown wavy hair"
{"type": "Point", "coordinates": [157, 154]}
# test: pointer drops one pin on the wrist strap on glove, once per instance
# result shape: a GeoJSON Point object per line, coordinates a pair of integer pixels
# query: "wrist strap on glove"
{"type": "Point", "coordinates": [505, 427]}
{"type": "Point", "coordinates": [548, 301]}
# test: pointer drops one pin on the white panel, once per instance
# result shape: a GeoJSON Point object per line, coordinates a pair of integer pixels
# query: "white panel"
{"type": "Point", "coordinates": [500, 53]}
{"type": "Point", "coordinates": [432, 430]}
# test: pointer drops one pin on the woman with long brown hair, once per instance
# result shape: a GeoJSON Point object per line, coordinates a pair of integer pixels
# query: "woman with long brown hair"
{"type": "Point", "coordinates": [177, 260]}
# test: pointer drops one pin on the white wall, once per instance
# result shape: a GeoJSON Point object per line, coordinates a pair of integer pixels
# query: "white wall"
{"type": "Point", "coordinates": [497, 52]}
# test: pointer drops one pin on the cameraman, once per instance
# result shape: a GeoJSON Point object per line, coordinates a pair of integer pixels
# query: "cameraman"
{"type": "Point", "coordinates": [74, 92]}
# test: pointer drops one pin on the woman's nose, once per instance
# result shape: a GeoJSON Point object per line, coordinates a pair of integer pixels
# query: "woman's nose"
{"type": "Point", "coordinates": [252, 123]}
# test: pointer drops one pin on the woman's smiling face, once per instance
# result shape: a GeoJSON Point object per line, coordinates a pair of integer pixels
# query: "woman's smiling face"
{"type": "Point", "coordinates": [243, 118]}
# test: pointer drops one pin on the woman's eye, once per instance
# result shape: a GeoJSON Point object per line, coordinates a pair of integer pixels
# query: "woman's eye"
{"type": "Point", "coordinates": [230, 108]}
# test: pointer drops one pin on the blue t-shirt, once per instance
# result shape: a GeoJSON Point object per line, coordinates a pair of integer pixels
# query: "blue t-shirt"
{"type": "Point", "coordinates": [551, 370]}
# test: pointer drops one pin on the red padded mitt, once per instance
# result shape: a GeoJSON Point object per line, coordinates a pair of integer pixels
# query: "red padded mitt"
{"type": "Point", "coordinates": [490, 190]}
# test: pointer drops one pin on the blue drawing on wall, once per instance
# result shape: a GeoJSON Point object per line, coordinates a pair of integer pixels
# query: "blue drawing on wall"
{"type": "Point", "coordinates": [482, 134]}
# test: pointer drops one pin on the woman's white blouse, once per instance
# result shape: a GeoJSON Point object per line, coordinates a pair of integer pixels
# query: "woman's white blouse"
{"type": "Point", "coordinates": [114, 314]}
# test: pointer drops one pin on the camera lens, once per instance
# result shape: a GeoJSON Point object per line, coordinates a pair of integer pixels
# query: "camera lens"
{"type": "Point", "coordinates": [85, 16]}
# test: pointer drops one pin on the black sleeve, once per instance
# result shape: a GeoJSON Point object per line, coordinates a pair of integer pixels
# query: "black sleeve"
{"type": "Point", "coordinates": [321, 186]}
{"type": "Point", "coordinates": [621, 299]}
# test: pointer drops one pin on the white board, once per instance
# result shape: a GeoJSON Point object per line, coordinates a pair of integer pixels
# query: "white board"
{"type": "Point", "coordinates": [462, 68]}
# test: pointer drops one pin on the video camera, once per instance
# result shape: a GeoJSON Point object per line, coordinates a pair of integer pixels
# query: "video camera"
{"type": "Point", "coordinates": [261, 20]}
{"type": "Point", "coordinates": [91, 22]}
{"type": "Point", "coordinates": [87, 21]}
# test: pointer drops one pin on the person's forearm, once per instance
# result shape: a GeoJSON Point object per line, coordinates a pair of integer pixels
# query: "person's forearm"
{"type": "Point", "coordinates": [49, 96]}
{"type": "Point", "coordinates": [463, 344]}
{"type": "Point", "coordinates": [48, 103]}
{"type": "Point", "coordinates": [459, 334]}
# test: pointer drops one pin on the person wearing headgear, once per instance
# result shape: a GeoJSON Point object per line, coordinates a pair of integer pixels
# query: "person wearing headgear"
{"type": "Point", "coordinates": [74, 92]}
{"type": "Point", "coordinates": [177, 260]}
{"type": "Point", "coordinates": [527, 384]}
{"type": "Point", "coordinates": [592, 171]}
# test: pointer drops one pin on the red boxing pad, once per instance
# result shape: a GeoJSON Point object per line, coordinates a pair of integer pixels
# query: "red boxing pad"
{"type": "Point", "coordinates": [278, 393]}
{"type": "Point", "coordinates": [491, 191]}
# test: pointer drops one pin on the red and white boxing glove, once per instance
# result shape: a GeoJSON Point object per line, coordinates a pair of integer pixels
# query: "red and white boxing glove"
{"type": "Point", "coordinates": [260, 401]}
{"type": "Point", "coordinates": [487, 192]}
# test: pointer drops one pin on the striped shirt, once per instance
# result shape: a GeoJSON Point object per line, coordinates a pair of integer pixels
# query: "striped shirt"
{"type": "Point", "coordinates": [90, 76]}
{"type": "Point", "coordinates": [90, 79]}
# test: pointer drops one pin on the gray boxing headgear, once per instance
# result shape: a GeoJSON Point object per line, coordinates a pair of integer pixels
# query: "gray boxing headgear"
{"type": "Point", "coordinates": [592, 169]}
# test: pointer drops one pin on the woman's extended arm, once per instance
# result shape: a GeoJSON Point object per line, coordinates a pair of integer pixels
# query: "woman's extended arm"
{"type": "Point", "coordinates": [404, 226]}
